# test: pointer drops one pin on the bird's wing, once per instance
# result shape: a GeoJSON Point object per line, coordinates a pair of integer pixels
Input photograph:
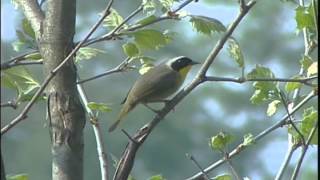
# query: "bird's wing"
{"type": "Point", "coordinates": [153, 90]}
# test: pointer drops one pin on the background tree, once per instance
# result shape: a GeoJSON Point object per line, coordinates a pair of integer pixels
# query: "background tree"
{"type": "Point", "coordinates": [137, 32]}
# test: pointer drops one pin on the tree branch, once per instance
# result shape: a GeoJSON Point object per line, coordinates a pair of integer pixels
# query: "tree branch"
{"type": "Point", "coordinates": [113, 33]}
{"type": "Point", "coordinates": [120, 68]}
{"type": "Point", "coordinates": [102, 153]}
{"type": "Point", "coordinates": [242, 147]}
{"type": "Point", "coordinates": [205, 176]}
{"type": "Point", "coordinates": [291, 148]}
{"type": "Point", "coordinates": [32, 11]}
{"type": "Point", "coordinates": [127, 160]}
{"type": "Point", "coordinates": [243, 80]}
{"type": "Point", "coordinates": [9, 63]}
{"type": "Point", "coordinates": [303, 151]}
{"type": "Point", "coordinates": [12, 104]}
{"type": "Point", "coordinates": [27, 108]}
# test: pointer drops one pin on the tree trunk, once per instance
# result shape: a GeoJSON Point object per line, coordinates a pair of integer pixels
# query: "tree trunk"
{"type": "Point", "coordinates": [3, 173]}
{"type": "Point", "coordinates": [66, 113]}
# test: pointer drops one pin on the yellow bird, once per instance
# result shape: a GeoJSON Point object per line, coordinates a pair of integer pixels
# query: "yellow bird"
{"type": "Point", "coordinates": [155, 85]}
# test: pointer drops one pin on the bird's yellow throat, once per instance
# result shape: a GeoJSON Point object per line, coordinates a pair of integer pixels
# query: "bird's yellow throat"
{"type": "Point", "coordinates": [184, 71]}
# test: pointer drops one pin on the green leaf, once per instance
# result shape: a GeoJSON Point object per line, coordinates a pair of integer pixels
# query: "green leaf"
{"type": "Point", "coordinates": [310, 117]}
{"type": "Point", "coordinates": [222, 177]}
{"type": "Point", "coordinates": [149, 6]}
{"type": "Point", "coordinates": [99, 107]}
{"type": "Point", "coordinates": [146, 20]}
{"type": "Point", "coordinates": [220, 141]}
{"type": "Point", "coordinates": [150, 39]}
{"type": "Point", "coordinates": [86, 53]}
{"type": "Point", "coordinates": [21, 36]}
{"type": "Point", "coordinates": [157, 177]}
{"type": "Point", "coordinates": [18, 46]}
{"type": "Point", "coordinates": [167, 4]}
{"type": "Point", "coordinates": [145, 68]}
{"type": "Point", "coordinates": [235, 52]}
{"type": "Point", "coordinates": [34, 56]}
{"type": "Point", "coordinates": [206, 25]}
{"type": "Point", "coordinates": [312, 69]}
{"type": "Point", "coordinates": [304, 18]}
{"type": "Point", "coordinates": [23, 42]}
{"type": "Point", "coordinates": [20, 79]}
{"type": "Point", "coordinates": [113, 20]}
{"type": "Point", "coordinates": [248, 139]}
{"type": "Point", "coordinates": [291, 86]}
{"type": "Point", "coordinates": [263, 90]}
{"type": "Point", "coordinates": [27, 29]}
{"type": "Point", "coordinates": [29, 96]}
{"type": "Point", "coordinates": [131, 49]}
{"type": "Point", "coordinates": [272, 107]}
{"type": "Point", "coordinates": [305, 62]}
{"type": "Point", "coordinates": [17, 177]}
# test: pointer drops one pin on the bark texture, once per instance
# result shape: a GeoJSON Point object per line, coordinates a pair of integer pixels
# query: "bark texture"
{"type": "Point", "coordinates": [66, 113]}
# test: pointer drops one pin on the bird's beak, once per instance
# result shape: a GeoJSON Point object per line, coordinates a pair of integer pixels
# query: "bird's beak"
{"type": "Point", "coordinates": [194, 63]}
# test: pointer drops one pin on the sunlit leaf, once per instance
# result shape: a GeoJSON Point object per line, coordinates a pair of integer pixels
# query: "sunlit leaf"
{"type": "Point", "coordinates": [312, 69]}
{"type": "Point", "coordinates": [150, 39]}
{"type": "Point", "coordinates": [206, 25]}
{"type": "Point", "coordinates": [235, 52]}
{"type": "Point", "coordinates": [149, 6]}
{"type": "Point", "coordinates": [291, 86]}
{"type": "Point", "coordinates": [304, 18]}
{"type": "Point", "coordinates": [167, 4]}
{"type": "Point", "coordinates": [310, 116]}
{"type": "Point", "coordinates": [34, 56]}
{"type": "Point", "coordinates": [86, 53]}
{"type": "Point", "coordinates": [99, 107]}
{"type": "Point", "coordinates": [20, 79]}
{"type": "Point", "coordinates": [272, 107]}
{"type": "Point", "coordinates": [220, 141]}
{"type": "Point", "coordinates": [130, 49]}
{"type": "Point", "coordinates": [27, 29]}
{"type": "Point", "coordinates": [305, 62]}
{"type": "Point", "coordinates": [147, 20]}
{"type": "Point", "coordinates": [248, 139]}
{"type": "Point", "coordinates": [157, 177]}
{"type": "Point", "coordinates": [222, 177]}
{"type": "Point", "coordinates": [145, 68]}
{"type": "Point", "coordinates": [113, 19]}
{"type": "Point", "coordinates": [18, 177]}
{"type": "Point", "coordinates": [263, 90]}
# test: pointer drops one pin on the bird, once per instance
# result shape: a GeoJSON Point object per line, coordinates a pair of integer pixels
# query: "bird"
{"type": "Point", "coordinates": [156, 85]}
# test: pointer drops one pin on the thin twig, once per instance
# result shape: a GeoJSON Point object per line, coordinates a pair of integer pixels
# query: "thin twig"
{"type": "Point", "coordinates": [27, 108]}
{"type": "Point", "coordinates": [267, 131]}
{"type": "Point", "coordinates": [114, 33]}
{"type": "Point", "coordinates": [7, 64]}
{"type": "Point", "coordinates": [243, 80]}
{"type": "Point", "coordinates": [290, 120]}
{"type": "Point", "coordinates": [233, 171]}
{"type": "Point", "coordinates": [182, 5]}
{"type": "Point", "coordinates": [304, 150]}
{"type": "Point", "coordinates": [128, 135]}
{"type": "Point", "coordinates": [101, 148]}
{"type": "Point", "coordinates": [205, 175]}
{"type": "Point", "coordinates": [12, 104]}
{"type": "Point", "coordinates": [291, 148]}
{"type": "Point", "coordinates": [120, 68]}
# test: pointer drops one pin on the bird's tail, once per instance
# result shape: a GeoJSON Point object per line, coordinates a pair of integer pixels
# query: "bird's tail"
{"type": "Point", "coordinates": [124, 111]}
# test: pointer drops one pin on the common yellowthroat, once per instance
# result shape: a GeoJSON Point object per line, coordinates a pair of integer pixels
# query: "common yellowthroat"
{"type": "Point", "coordinates": [156, 85]}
